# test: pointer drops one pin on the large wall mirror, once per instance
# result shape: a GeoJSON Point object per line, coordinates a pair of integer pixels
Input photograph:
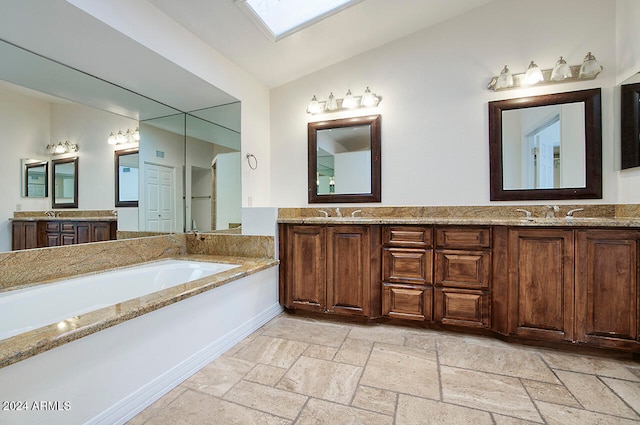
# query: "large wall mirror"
{"type": "Point", "coordinates": [127, 166]}
{"type": "Point", "coordinates": [64, 187]}
{"type": "Point", "coordinates": [546, 147]}
{"type": "Point", "coordinates": [35, 178]}
{"type": "Point", "coordinates": [344, 160]}
{"type": "Point", "coordinates": [630, 128]}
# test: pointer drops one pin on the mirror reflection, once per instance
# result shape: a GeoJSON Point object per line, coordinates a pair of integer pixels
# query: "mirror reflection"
{"type": "Point", "coordinates": [543, 147]}
{"type": "Point", "coordinates": [35, 178]}
{"type": "Point", "coordinates": [126, 174]}
{"type": "Point", "coordinates": [344, 160]}
{"type": "Point", "coordinates": [64, 177]}
{"type": "Point", "coordinates": [546, 147]}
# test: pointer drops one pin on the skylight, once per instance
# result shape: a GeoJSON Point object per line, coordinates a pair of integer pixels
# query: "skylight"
{"type": "Point", "coordinates": [280, 18]}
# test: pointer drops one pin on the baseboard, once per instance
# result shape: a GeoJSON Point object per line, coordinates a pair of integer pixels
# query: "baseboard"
{"type": "Point", "coordinates": [139, 400]}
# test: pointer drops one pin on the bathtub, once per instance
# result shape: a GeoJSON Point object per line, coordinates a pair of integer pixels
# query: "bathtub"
{"type": "Point", "coordinates": [31, 308]}
{"type": "Point", "coordinates": [111, 374]}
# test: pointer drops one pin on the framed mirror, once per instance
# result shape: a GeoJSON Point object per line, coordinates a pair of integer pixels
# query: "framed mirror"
{"type": "Point", "coordinates": [546, 147]}
{"type": "Point", "coordinates": [630, 126]}
{"type": "Point", "coordinates": [127, 166]}
{"type": "Point", "coordinates": [64, 176]}
{"type": "Point", "coordinates": [35, 178]}
{"type": "Point", "coordinates": [344, 160]}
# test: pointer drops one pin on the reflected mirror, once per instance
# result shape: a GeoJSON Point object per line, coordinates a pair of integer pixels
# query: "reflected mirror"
{"type": "Point", "coordinates": [344, 160]}
{"type": "Point", "coordinates": [64, 175]}
{"type": "Point", "coordinates": [35, 178]}
{"type": "Point", "coordinates": [546, 147]}
{"type": "Point", "coordinates": [126, 177]}
{"type": "Point", "coordinates": [630, 125]}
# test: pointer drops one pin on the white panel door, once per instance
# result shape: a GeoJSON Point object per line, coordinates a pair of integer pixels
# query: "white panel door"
{"type": "Point", "coordinates": [159, 198]}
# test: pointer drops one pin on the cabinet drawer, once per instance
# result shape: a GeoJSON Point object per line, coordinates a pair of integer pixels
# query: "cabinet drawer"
{"type": "Point", "coordinates": [52, 226]}
{"type": "Point", "coordinates": [407, 265]}
{"type": "Point", "coordinates": [469, 269]}
{"type": "Point", "coordinates": [463, 237]}
{"type": "Point", "coordinates": [462, 307]}
{"type": "Point", "coordinates": [407, 302]}
{"type": "Point", "coordinates": [67, 227]}
{"type": "Point", "coordinates": [407, 236]}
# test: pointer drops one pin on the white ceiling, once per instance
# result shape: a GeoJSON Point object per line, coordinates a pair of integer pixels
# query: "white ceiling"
{"type": "Point", "coordinates": [364, 26]}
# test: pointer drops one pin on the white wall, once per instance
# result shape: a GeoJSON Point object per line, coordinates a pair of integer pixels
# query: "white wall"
{"type": "Point", "coordinates": [434, 98]}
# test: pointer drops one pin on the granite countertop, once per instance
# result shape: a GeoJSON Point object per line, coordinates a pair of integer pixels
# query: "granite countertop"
{"type": "Point", "coordinates": [478, 221]}
{"type": "Point", "coordinates": [67, 218]}
{"type": "Point", "coordinates": [29, 344]}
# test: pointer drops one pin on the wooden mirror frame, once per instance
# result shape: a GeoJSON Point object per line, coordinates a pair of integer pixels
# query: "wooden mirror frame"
{"type": "Point", "coordinates": [593, 147]}
{"type": "Point", "coordinates": [375, 194]}
{"type": "Point", "coordinates": [55, 162]}
{"type": "Point", "coordinates": [44, 164]}
{"type": "Point", "coordinates": [629, 131]}
{"type": "Point", "coordinates": [116, 160]}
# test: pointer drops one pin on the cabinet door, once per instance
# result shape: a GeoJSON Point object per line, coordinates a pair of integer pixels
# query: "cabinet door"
{"type": "Point", "coordinates": [83, 232]}
{"type": "Point", "coordinates": [607, 287]}
{"type": "Point", "coordinates": [100, 231]}
{"type": "Point", "coordinates": [348, 270]}
{"type": "Point", "coordinates": [25, 235]}
{"type": "Point", "coordinates": [305, 286]}
{"type": "Point", "coordinates": [541, 283]}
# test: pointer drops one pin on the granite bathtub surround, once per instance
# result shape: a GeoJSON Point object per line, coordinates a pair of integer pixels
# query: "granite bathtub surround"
{"type": "Point", "coordinates": [592, 215]}
{"type": "Point", "coordinates": [68, 214]}
{"type": "Point", "coordinates": [41, 266]}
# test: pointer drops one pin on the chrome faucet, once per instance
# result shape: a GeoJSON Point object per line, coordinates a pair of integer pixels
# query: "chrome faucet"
{"type": "Point", "coordinates": [326, 213]}
{"type": "Point", "coordinates": [338, 212]}
{"type": "Point", "coordinates": [551, 211]}
{"type": "Point", "coordinates": [526, 212]}
{"type": "Point", "coordinates": [570, 212]}
{"type": "Point", "coordinates": [353, 214]}
{"type": "Point", "coordinates": [50, 214]}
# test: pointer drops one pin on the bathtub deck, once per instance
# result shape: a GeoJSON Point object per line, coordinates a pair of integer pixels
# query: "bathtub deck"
{"type": "Point", "coordinates": [29, 344]}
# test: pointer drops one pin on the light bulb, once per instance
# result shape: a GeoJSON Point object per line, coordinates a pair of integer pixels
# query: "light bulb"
{"type": "Point", "coordinates": [112, 139]}
{"type": "Point", "coordinates": [349, 101]}
{"type": "Point", "coordinates": [533, 74]}
{"type": "Point", "coordinates": [368, 99]}
{"type": "Point", "coordinates": [314, 106]}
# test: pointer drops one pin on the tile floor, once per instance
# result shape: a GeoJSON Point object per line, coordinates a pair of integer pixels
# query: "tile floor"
{"type": "Point", "coordinates": [302, 371]}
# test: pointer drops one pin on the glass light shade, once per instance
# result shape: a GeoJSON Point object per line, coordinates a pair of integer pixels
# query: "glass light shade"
{"type": "Point", "coordinates": [60, 148]}
{"type": "Point", "coordinates": [590, 67]}
{"type": "Point", "coordinates": [368, 99]}
{"type": "Point", "coordinates": [136, 135]}
{"type": "Point", "coordinates": [505, 79]}
{"type": "Point", "coordinates": [332, 103]}
{"type": "Point", "coordinates": [349, 101]}
{"type": "Point", "coordinates": [561, 71]}
{"type": "Point", "coordinates": [533, 74]}
{"type": "Point", "coordinates": [112, 139]}
{"type": "Point", "coordinates": [314, 106]}
{"type": "Point", "coordinates": [120, 137]}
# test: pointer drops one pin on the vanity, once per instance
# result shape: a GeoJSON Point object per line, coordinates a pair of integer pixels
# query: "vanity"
{"type": "Point", "coordinates": [33, 230]}
{"type": "Point", "coordinates": [552, 281]}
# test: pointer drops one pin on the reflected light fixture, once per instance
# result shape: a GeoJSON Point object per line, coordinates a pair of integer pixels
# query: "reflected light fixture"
{"type": "Point", "coordinates": [128, 136]}
{"type": "Point", "coordinates": [62, 147]}
{"type": "Point", "coordinates": [332, 104]}
{"type": "Point", "coordinates": [562, 72]}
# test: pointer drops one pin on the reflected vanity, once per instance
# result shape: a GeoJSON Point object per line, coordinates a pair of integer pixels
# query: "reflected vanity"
{"type": "Point", "coordinates": [546, 147]}
{"type": "Point", "coordinates": [64, 175]}
{"type": "Point", "coordinates": [344, 160]}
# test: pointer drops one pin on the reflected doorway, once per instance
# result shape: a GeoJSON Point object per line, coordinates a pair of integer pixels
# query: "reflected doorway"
{"type": "Point", "coordinates": [159, 186]}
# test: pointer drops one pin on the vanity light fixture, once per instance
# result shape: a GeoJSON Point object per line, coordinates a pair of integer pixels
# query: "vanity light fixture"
{"type": "Point", "coordinates": [62, 147]}
{"type": "Point", "coordinates": [561, 73]}
{"type": "Point", "coordinates": [129, 136]}
{"type": "Point", "coordinates": [367, 100]}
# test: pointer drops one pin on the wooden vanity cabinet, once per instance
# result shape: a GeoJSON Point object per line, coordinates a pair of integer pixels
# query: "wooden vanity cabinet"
{"type": "Point", "coordinates": [607, 292]}
{"type": "Point", "coordinates": [463, 276]}
{"type": "Point", "coordinates": [407, 272]}
{"type": "Point", "coordinates": [25, 235]}
{"type": "Point", "coordinates": [327, 268]}
{"type": "Point", "coordinates": [541, 279]}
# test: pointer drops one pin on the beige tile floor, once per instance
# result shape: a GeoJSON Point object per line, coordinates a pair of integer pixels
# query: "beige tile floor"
{"type": "Point", "coordinates": [302, 371]}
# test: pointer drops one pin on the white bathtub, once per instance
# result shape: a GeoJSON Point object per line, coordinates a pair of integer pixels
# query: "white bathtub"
{"type": "Point", "coordinates": [109, 376]}
{"type": "Point", "coordinates": [31, 308]}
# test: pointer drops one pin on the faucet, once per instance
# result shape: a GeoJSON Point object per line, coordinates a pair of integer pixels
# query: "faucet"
{"type": "Point", "coordinates": [551, 210]}
{"type": "Point", "coordinates": [527, 214]}
{"type": "Point", "coordinates": [338, 212]}
{"type": "Point", "coordinates": [570, 212]}
{"type": "Point", "coordinates": [353, 214]}
{"type": "Point", "coordinates": [50, 214]}
{"type": "Point", "coordinates": [326, 213]}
